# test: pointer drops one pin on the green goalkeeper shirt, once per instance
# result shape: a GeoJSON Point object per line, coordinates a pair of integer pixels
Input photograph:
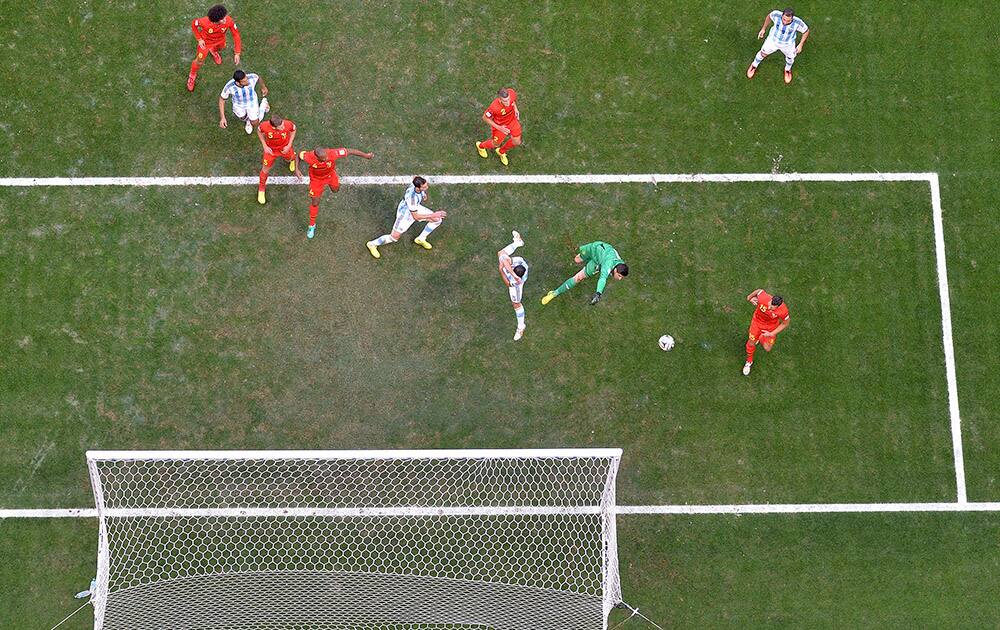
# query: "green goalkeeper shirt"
{"type": "Point", "coordinates": [602, 257]}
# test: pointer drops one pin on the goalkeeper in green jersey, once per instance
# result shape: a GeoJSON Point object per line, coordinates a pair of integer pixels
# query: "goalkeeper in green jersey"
{"type": "Point", "coordinates": [596, 257]}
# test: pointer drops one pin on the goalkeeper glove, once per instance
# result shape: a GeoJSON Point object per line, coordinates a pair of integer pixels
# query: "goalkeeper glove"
{"type": "Point", "coordinates": [596, 298]}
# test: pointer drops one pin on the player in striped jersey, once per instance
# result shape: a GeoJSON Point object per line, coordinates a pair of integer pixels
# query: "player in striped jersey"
{"type": "Point", "coordinates": [409, 211]}
{"type": "Point", "coordinates": [514, 271]}
{"type": "Point", "coordinates": [782, 37]}
{"type": "Point", "coordinates": [242, 89]}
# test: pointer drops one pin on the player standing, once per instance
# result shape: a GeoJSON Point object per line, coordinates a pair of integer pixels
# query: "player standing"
{"type": "Point", "coordinates": [781, 37]}
{"type": "Point", "coordinates": [242, 88]}
{"type": "Point", "coordinates": [514, 271]}
{"type": "Point", "coordinates": [210, 33]}
{"type": "Point", "coordinates": [323, 173]}
{"type": "Point", "coordinates": [409, 211]}
{"type": "Point", "coordinates": [770, 317]}
{"type": "Point", "coordinates": [276, 136]}
{"type": "Point", "coordinates": [504, 119]}
{"type": "Point", "coordinates": [596, 257]}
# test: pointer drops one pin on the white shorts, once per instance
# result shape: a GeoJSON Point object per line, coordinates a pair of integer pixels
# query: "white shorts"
{"type": "Point", "coordinates": [515, 291]}
{"type": "Point", "coordinates": [404, 219]}
{"type": "Point", "coordinates": [255, 111]}
{"type": "Point", "coordinates": [771, 46]}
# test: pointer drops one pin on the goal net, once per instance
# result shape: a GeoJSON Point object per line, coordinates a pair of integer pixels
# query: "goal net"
{"type": "Point", "coordinates": [364, 540]}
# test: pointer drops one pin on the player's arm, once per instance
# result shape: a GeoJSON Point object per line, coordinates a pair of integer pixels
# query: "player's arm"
{"type": "Point", "coordinates": [222, 110]}
{"type": "Point", "coordinates": [237, 43]}
{"type": "Point", "coordinates": [357, 153]}
{"type": "Point", "coordinates": [505, 266]}
{"type": "Point", "coordinates": [774, 333]}
{"type": "Point", "coordinates": [263, 86]}
{"type": "Point", "coordinates": [752, 298]}
{"type": "Point", "coordinates": [763, 29]}
{"type": "Point", "coordinates": [263, 142]}
{"type": "Point", "coordinates": [196, 29]}
{"type": "Point", "coordinates": [517, 112]}
{"type": "Point", "coordinates": [805, 36]}
{"type": "Point", "coordinates": [602, 282]}
{"type": "Point", "coordinates": [421, 212]}
{"type": "Point", "coordinates": [291, 138]}
{"type": "Point", "coordinates": [489, 121]}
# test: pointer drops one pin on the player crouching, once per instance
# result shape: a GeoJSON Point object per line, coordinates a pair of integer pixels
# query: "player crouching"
{"type": "Point", "coordinates": [770, 317]}
{"type": "Point", "coordinates": [597, 257]}
{"type": "Point", "coordinates": [514, 272]}
{"type": "Point", "coordinates": [276, 136]}
{"type": "Point", "coordinates": [409, 211]}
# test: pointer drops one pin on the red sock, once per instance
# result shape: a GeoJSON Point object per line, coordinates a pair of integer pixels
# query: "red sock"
{"type": "Point", "coordinates": [507, 146]}
{"type": "Point", "coordinates": [194, 68]}
{"type": "Point", "coordinates": [751, 348]}
{"type": "Point", "coordinates": [488, 144]}
{"type": "Point", "coordinates": [313, 211]}
{"type": "Point", "coordinates": [263, 180]}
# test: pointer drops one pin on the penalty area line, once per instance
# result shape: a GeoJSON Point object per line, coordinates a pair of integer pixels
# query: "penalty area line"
{"type": "Point", "coordinates": [394, 180]}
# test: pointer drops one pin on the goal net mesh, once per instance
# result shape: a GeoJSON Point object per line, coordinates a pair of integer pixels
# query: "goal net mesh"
{"type": "Point", "coordinates": [355, 541]}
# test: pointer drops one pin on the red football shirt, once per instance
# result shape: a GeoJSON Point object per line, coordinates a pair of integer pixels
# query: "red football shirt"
{"type": "Point", "coordinates": [319, 169]}
{"type": "Point", "coordinates": [277, 137]}
{"type": "Point", "coordinates": [500, 113]}
{"type": "Point", "coordinates": [766, 316]}
{"type": "Point", "coordinates": [214, 33]}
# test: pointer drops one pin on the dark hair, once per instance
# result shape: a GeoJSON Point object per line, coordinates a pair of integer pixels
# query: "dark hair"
{"type": "Point", "coordinates": [239, 75]}
{"type": "Point", "coordinates": [776, 301]}
{"type": "Point", "coordinates": [519, 271]}
{"type": "Point", "coordinates": [622, 268]}
{"type": "Point", "coordinates": [217, 13]}
{"type": "Point", "coordinates": [418, 181]}
{"type": "Point", "coordinates": [502, 93]}
{"type": "Point", "coordinates": [320, 153]}
{"type": "Point", "coordinates": [790, 12]}
{"type": "Point", "coordinates": [275, 120]}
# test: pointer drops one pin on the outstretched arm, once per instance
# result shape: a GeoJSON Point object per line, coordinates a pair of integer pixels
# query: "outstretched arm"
{"type": "Point", "coordinates": [367, 156]}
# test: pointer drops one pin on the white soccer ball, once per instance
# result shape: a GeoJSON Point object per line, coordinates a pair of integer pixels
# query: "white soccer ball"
{"type": "Point", "coordinates": [666, 343]}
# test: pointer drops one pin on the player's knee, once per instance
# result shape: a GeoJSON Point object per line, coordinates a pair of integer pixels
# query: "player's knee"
{"type": "Point", "coordinates": [517, 305]}
{"type": "Point", "coordinates": [516, 141]}
{"type": "Point", "coordinates": [395, 236]}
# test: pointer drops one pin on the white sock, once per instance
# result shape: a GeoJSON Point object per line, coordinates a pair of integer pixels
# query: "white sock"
{"type": "Point", "coordinates": [510, 249]}
{"type": "Point", "coordinates": [430, 227]}
{"type": "Point", "coordinates": [520, 316]}
{"type": "Point", "coordinates": [756, 60]}
{"type": "Point", "coordinates": [385, 239]}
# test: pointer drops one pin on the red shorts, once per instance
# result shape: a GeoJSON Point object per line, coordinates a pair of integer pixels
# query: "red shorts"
{"type": "Point", "coordinates": [756, 328]}
{"type": "Point", "coordinates": [270, 158]}
{"type": "Point", "coordinates": [515, 131]}
{"type": "Point", "coordinates": [203, 51]}
{"type": "Point", "coordinates": [318, 186]}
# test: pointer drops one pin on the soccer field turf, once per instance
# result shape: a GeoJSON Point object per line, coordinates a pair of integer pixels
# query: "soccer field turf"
{"type": "Point", "coordinates": [194, 318]}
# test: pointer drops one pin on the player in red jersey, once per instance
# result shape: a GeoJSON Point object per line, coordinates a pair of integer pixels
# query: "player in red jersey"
{"type": "Point", "coordinates": [770, 317]}
{"type": "Point", "coordinates": [210, 33]}
{"type": "Point", "coordinates": [322, 173]}
{"type": "Point", "coordinates": [276, 136]}
{"type": "Point", "coordinates": [504, 119]}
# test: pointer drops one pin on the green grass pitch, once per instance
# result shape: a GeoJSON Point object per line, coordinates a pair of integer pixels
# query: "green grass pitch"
{"type": "Point", "coordinates": [194, 318]}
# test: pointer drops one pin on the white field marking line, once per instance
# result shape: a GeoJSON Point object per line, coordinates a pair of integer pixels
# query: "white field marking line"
{"type": "Point", "coordinates": [946, 335]}
{"type": "Point", "coordinates": [652, 510]}
{"type": "Point", "coordinates": [623, 178]}
{"type": "Point", "coordinates": [393, 180]}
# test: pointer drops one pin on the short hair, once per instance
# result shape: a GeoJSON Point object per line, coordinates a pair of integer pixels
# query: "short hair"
{"type": "Point", "coordinates": [519, 271]}
{"type": "Point", "coordinates": [503, 93]}
{"type": "Point", "coordinates": [217, 13]}
{"type": "Point", "coordinates": [622, 268]}
{"type": "Point", "coordinates": [776, 301]}
{"type": "Point", "coordinates": [275, 120]}
{"type": "Point", "coordinates": [320, 153]}
{"type": "Point", "coordinates": [239, 75]}
{"type": "Point", "coordinates": [418, 181]}
{"type": "Point", "coordinates": [790, 12]}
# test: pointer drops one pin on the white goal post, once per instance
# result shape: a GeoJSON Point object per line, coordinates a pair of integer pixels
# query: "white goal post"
{"type": "Point", "coordinates": [356, 540]}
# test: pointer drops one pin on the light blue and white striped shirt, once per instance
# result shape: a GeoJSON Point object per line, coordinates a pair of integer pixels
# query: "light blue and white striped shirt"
{"type": "Point", "coordinates": [785, 33]}
{"type": "Point", "coordinates": [412, 201]}
{"type": "Point", "coordinates": [244, 96]}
